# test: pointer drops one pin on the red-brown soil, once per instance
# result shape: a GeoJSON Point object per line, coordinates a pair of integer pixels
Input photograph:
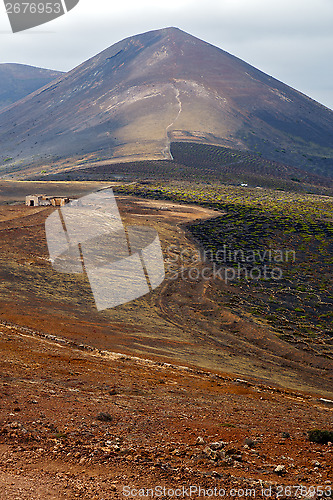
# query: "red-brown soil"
{"type": "Point", "coordinates": [199, 371]}
{"type": "Point", "coordinates": [54, 446]}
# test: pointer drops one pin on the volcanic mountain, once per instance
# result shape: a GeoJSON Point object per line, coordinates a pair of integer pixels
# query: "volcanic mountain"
{"type": "Point", "coordinates": [18, 81]}
{"type": "Point", "coordinates": [134, 98]}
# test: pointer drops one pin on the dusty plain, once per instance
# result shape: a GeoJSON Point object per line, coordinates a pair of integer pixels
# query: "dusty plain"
{"type": "Point", "coordinates": [94, 402]}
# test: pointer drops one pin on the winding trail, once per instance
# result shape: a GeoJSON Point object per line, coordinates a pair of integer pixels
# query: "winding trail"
{"type": "Point", "coordinates": [166, 151]}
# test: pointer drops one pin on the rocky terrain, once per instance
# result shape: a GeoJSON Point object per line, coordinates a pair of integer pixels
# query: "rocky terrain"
{"type": "Point", "coordinates": [80, 422]}
{"type": "Point", "coordinates": [175, 391]}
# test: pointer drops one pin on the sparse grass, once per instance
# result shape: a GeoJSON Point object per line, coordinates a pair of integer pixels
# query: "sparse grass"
{"type": "Point", "coordinates": [60, 435]}
{"type": "Point", "coordinates": [300, 226]}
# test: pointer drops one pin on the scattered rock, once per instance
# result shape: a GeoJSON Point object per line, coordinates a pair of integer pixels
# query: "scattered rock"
{"type": "Point", "coordinates": [15, 425]}
{"type": "Point", "coordinates": [240, 380]}
{"type": "Point", "coordinates": [217, 445]}
{"type": "Point", "coordinates": [213, 454]}
{"type": "Point", "coordinates": [234, 454]}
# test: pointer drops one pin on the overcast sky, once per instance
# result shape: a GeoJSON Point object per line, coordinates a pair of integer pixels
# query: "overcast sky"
{"type": "Point", "coordinates": [291, 40]}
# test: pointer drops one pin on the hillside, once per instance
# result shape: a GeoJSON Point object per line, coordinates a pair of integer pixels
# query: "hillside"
{"type": "Point", "coordinates": [199, 163]}
{"type": "Point", "coordinates": [134, 98]}
{"type": "Point", "coordinates": [18, 81]}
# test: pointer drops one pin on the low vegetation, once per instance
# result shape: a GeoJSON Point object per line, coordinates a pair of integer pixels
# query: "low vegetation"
{"type": "Point", "coordinates": [289, 232]}
{"type": "Point", "coordinates": [321, 437]}
{"type": "Point", "coordinates": [201, 163]}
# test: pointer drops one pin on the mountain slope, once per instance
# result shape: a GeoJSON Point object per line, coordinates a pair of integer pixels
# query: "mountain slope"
{"type": "Point", "coordinates": [132, 99]}
{"type": "Point", "coordinates": [19, 80]}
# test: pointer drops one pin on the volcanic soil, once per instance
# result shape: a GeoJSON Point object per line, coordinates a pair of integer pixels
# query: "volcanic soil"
{"type": "Point", "coordinates": [171, 390]}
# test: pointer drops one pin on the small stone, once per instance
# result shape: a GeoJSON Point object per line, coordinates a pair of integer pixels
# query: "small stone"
{"type": "Point", "coordinates": [216, 474]}
{"type": "Point", "coordinates": [217, 445]}
{"type": "Point", "coordinates": [249, 442]}
{"type": "Point", "coordinates": [200, 440]}
{"type": "Point", "coordinates": [280, 469]}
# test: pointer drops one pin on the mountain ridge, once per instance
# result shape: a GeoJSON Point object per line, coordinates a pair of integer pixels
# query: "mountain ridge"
{"type": "Point", "coordinates": [19, 80]}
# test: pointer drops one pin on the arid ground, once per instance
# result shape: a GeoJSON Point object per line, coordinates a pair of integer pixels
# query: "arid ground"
{"type": "Point", "coordinates": [173, 389]}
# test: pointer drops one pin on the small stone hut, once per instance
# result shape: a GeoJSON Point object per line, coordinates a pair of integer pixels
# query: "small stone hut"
{"type": "Point", "coordinates": [42, 200]}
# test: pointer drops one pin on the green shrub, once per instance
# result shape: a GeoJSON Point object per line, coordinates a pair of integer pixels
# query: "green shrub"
{"type": "Point", "coordinates": [60, 435]}
{"type": "Point", "coordinates": [321, 437]}
{"type": "Point", "coordinates": [104, 417]}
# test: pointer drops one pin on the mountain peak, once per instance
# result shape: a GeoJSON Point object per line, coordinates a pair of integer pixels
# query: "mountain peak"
{"type": "Point", "coordinates": [172, 29]}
